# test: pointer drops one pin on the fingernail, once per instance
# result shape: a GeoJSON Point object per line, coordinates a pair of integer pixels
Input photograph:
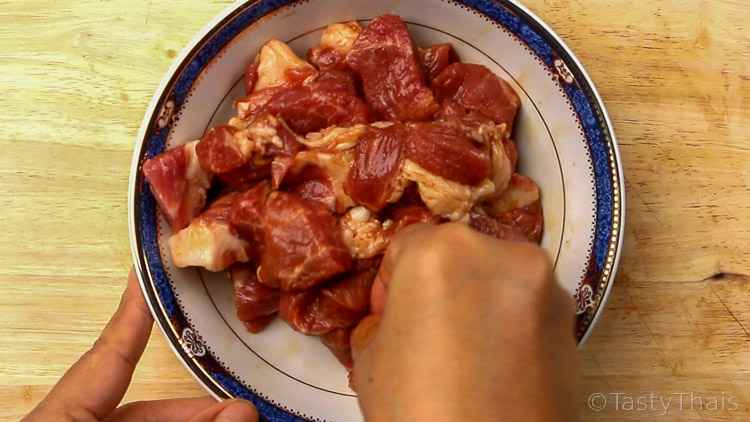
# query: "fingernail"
{"type": "Point", "coordinates": [237, 411]}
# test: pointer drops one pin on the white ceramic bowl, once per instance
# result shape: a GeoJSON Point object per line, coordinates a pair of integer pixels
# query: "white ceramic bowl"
{"type": "Point", "coordinates": [566, 144]}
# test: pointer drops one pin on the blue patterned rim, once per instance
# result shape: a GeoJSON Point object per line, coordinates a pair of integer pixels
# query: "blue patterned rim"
{"type": "Point", "coordinates": [506, 13]}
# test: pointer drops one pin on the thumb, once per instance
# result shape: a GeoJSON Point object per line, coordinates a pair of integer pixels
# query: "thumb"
{"type": "Point", "coordinates": [361, 340]}
{"type": "Point", "coordinates": [228, 411]}
{"type": "Point", "coordinates": [363, 335]}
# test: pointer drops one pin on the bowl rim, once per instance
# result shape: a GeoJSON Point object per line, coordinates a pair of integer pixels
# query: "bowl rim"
{"type": "Point", "coordinates": [182, 59]}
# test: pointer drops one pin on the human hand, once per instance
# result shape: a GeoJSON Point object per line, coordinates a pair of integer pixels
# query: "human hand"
{"type": "Point", "coordinates": [472, 328]}
{"type": "Point", "coordinates": [93, 387]}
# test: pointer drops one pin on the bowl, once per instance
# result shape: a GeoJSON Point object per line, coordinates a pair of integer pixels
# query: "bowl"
{"type": "Point", "coordinates": [566, 144]}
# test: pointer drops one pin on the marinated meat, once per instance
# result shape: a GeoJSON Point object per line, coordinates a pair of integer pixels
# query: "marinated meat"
{"type": "Point", "coordinates": [246, 176]}
{"type": "Point", "coordinates": [313, 313]}
{"type": "Point", "coordinates": [435, 59]}
{"type": "Point", "coordinates": [329, 100]}
{"type": "Point", "coordinates": [178, 183]}
{"type": "Point", "coordinates": [340, 304]}
{"type": "Point", "coordinates": [226, 148]}
{"type": "Point", "coordinates": [314, 184]}
{"type": "Point", "coordinates": [353, 291]}
{"type": "Point", "coordinates": [210, 241]}
{"type": "Point", "coordinates": [220, 151]}
{"type": "Point", "coordinates": [520, 207]}
{"type": "Point", "coordinates": [325, 182]}
{"type": "Point", "coordinates": [481, 222]}
{"type": "Point", "coordinates": [405, 214]}
{"type": "Point", "coordinates": [383, 56]}
{"type": "Point", "coordinates": [339, 343]}
{"type": "Point", "coordinates": [257, 325]}
{"type": "Point", "coordinates": [447, 152]}
{"type": "Point", "coordinates": [336, 42]}
{"type": "Point", "coordinates": [522, 192]}
{"type": "Point", "coordinates": [446, 198]}
{"type": "Point", "coordinates": [246, 214]}
{"type": "Point", "coordinates": [374, 179]}
{"type": "Point", "coordinates": [275, 68]}
{"type": "Point", "coordinates": [476, 88]}
{"type": "Point", "coordinates": [255, 302]}
{"type": "Point", "coordinates": [302, 245]}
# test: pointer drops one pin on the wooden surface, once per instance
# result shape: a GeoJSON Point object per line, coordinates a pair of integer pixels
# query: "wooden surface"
{"type": "Point", "coordinates": [76, 76]}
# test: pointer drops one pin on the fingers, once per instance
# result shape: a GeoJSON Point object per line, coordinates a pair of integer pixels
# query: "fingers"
{"type": "Point", "coordinates": [379, 293]}
{"type": "Point", "coordinates": [228, 411]}
{"type": "Point", "coordinates": [363, 335]}
{"type": "Point", "coordinates": [94, 385]}
{"type": "Point", "coordinates": [177, 410]}
{"type": "Point", "coordinates": [204, 409]}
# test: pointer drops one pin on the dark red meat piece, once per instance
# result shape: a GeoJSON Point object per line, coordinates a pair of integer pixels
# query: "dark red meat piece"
{"type": "Point", "coordinates": [302, 243]}
{"type": "Point", "coordinates": [220, 209]}
{"type": "Point", "coordinates": [166, 173]}
{"type": "Point", "coordinates": [253, 105]}
{"type": "Point", "coordinates": [353, 291]}
{"type": "Point", "coordinates": [312, 313]}
{"type": "Point", "coordinates": [289, 143]}
{"type": "Point", "coordinates": [435, 59]}
{"type": "Point", "coordinates": [247, 211]}
{"type": "Point", "coordinates": [528, 220]}
{"type": "Point", "coordinates": [384, 58]}
{"type": "Point", "coordinates": [338, 342]}
{"type": "Point", "coordinates": [495, 228]}
{"type": "Point", "coordinates": [218, 151]}
{"type": "Point", "coordinates": [476, 88]}
{"type": "Point", "coordinates": [246, 176]}
{"type": "Point", "coordinates": [520, 207]}
{"type": "Point", "coordinates": [296, 76]}
{"type": "Point", "coordinates": [313, 184]}
{"type": "Point", "coordinates": [454, 114]}
{"type": "Point", "coordinates": [330, 100]}
{"type": "Point", "coordinates": [447, 152]}
{"type": "Point", "coordinates": [257, 325]}
{"type": "Point", "coordinates": [377, 164]}
{"type": "Point", "coordinates": [246, 154]}
{"type": "Point", "coordinates": [404, 216]}
{"type": "Point", "coordinates": [326, 58]}
{"type": "Point", "coordinates": [256, 303]}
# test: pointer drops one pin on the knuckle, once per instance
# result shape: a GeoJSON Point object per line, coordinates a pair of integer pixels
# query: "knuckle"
{"type": "Point", "coordinates": [538, 262]}
{"type": "Point", "coordinates": [454, 235]}
{"type": "Point", "coordinates": [453, 230]}
{"type": "Point", "coordinates": [535, 271]}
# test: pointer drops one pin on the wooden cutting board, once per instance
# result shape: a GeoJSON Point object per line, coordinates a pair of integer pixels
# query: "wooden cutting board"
{"type": "Point", "coordinates": [76, 76]}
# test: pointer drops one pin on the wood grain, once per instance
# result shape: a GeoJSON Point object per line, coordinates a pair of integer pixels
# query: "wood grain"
{"type": "Point", "coordinates": [76, 77]}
